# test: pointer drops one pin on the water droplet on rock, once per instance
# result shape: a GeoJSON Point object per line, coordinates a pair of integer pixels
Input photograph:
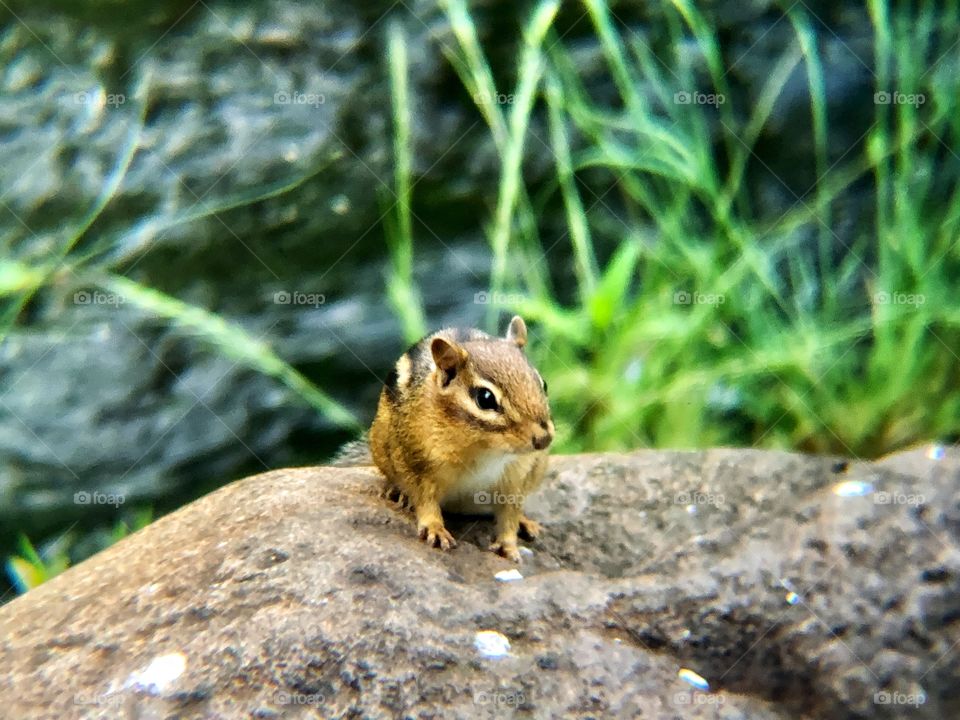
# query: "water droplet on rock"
{"type": "Point", "coordinates": [853, 488]}
{"type": "Point", "coordinates": [791, 597]}
{"type": "Point", "coordinates": [491, 643]}
{"type": "Point", "coordinates": [159, 674]}
{"type": "Point", "coordinates": [689, 676]}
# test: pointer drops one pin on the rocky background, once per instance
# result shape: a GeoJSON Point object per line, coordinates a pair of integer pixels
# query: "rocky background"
{"type": "Point", "coordinates": [97, 396]}
{"type": "Point", "coordinates": [719, 584]}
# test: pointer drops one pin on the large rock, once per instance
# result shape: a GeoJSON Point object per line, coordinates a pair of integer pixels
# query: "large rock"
{"type": "Point", "coordinates": [794, 585]}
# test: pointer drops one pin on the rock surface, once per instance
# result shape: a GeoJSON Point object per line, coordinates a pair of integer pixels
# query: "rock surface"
{"type": "Point", "coordinates": [796, 586]}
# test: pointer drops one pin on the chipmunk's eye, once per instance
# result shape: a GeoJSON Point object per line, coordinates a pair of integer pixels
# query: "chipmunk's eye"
{"type": "Point", "coordinates": [485, 399]}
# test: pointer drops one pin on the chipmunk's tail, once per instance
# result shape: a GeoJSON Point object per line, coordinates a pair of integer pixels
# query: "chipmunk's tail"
{"type": "Point", "coordinates": [353, 454]}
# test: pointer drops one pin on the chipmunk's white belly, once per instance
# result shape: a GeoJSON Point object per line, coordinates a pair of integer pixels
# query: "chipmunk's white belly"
{"type": "Point", "coordinates": [473, 492]}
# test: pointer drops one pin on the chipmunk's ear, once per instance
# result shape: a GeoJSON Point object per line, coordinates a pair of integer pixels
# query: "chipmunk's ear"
{"type": "Point", "coordinates": [448, 357]}
{"type": "Point", "coordinates": [517, 332]}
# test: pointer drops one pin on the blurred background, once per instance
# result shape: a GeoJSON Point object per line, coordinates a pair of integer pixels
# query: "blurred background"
{"type": "Point", "coordinates": [726, 223]}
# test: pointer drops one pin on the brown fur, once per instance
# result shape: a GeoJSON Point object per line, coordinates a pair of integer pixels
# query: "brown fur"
{"type": "Point", "coordinates": [430, 437]}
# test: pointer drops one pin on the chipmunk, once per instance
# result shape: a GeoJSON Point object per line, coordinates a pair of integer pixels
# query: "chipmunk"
{"type": "Point", "coordinates": [463, 424]}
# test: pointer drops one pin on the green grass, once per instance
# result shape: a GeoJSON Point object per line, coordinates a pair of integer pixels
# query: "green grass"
{"type": "Point", "coordinates": [656, 205]}
{"type": "Point", "coordinates": [34, 567]}
{"type": "Point", "coordinates": [802, 352]}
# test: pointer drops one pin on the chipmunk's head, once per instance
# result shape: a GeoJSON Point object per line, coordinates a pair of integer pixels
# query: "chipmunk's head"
{"type": "Point", "coordinates": [490, 392]}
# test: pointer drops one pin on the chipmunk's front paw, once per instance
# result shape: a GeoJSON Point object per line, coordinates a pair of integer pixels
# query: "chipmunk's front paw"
{"type": "Point", "coordinates": [436, 535]}
{"type": "Point", "coordinates": [529, 529]}
{"type": "Point", "coordinates": [507, 549]}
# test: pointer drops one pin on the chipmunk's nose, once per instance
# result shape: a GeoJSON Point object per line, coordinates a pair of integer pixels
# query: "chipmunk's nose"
{"type": "Point", "coordinates": [542, 441]}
